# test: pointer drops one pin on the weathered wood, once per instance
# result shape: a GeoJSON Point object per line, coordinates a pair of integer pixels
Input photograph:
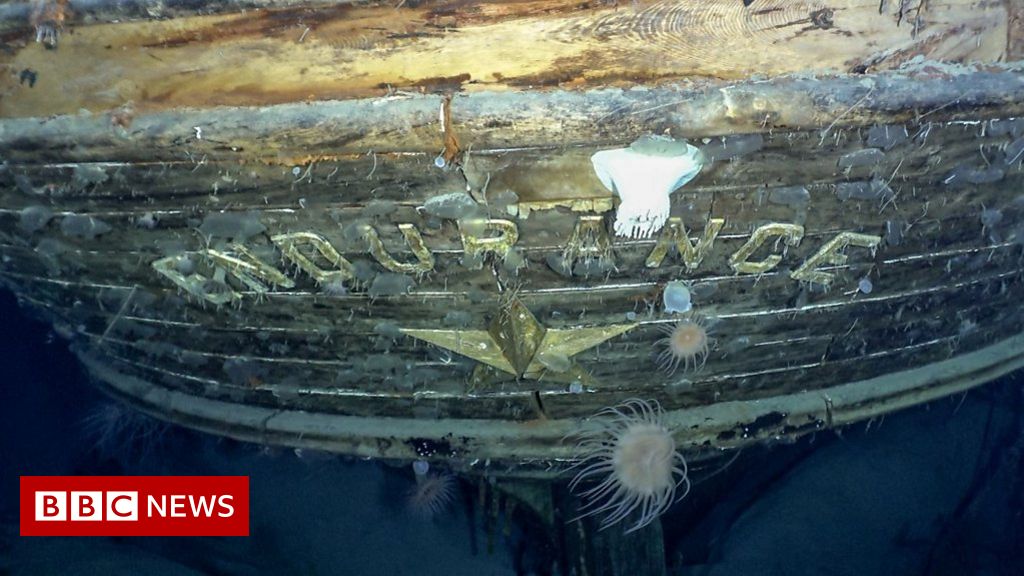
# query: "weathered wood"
{"type": "Point", "coordinates": [376, 229]}
{"type": "Point", "coordinates": [590, 550]}
{"type": "Point", "coordinates": [537, 177]}
{"type": "Point", "coordinates": [951, 255]}
{"type": "Point", "coordinates": [1015, 43]}
{"type": "Point", "coordinates": [536, 443]}
{"type": "Point", "coordinates": [16, 15]}
{"type": "Point", "coordinates": [321, 352]}
{"type": "Point", "coordinates": [277, 55]}
{"type": "Point", "coordinates": [293, 134]}
{"type": "Point", "coordinates": [263, 257]}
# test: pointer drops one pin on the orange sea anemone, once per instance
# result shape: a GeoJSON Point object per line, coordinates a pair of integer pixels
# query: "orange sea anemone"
{"type": "Point", "coordinates": [684, 343]}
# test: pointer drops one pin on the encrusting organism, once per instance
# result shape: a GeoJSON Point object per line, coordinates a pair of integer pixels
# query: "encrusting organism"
{"type": "Point", "coordinates": [121, 433]}
{"type": "Point", "coordinates": [686, 342]}
{"type": "Point", "coordinates": [643, 176]}
{"type": "Point", "coordinates": [433, 491]}
{"type": "Point", "coordinates": [630, 452]}
{"type": "Point", "coordinates": [48, 20]}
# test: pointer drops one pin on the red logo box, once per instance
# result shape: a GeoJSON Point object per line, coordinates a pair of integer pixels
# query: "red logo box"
{"type": "Point", "coordinates": [134, 505]}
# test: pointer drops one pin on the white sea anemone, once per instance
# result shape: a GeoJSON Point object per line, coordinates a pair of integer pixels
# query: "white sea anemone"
{"type": "Point", "coordinates": [121, 433]}
{"type": "Point", "coordinates": [643, 176]}
{"type": "Point", "coordinates": [632, 455]}
{"type": "Point", "coordinates": [433, 491]}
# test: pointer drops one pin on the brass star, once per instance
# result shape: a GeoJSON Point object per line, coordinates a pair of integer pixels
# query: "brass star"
{"type": "Point", "coordinates": [516, 343]}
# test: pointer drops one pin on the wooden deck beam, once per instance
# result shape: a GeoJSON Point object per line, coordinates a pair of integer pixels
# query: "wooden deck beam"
{"type": "Point", "coordinates": [174, 58]}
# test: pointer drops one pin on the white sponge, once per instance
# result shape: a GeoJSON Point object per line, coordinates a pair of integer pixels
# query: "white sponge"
{"type": "Point", "coordinates": [643, 176]}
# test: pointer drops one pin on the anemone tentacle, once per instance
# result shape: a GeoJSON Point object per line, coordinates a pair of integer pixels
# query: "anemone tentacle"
{"type": "Point", "coordinates": [632, 457]}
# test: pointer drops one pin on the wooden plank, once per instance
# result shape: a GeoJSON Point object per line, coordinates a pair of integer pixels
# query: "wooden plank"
{"type": "Point", "coordinates": [530, 448]}
{"type": "Point", "coordinates": [956, 237]}
{"type": "Point", "coordinates": [615, 361]}
{"type": "Point", "coordinates": [487, 403]}
{"type": "Point", "coordinates": [1015, 41]}
{"type": "Point", "coordinates": [292, 134]}
{"type": "Point", "coordinates": [535, 177]}
{"type": "Point", "coordinates": [269, 56]}
{"type": "Point", "coordinates": [16, 16]}
{"type": "Point", "coordinates": [745, 200]}
{"type": "Point", "coordinates": [956, 225]}
{"type": "Point", "coordinates": [336, 339]}
{"type": "Point", "coordinates": [310, 323]}
{"type": "Point", "coordinates": [547, 293]}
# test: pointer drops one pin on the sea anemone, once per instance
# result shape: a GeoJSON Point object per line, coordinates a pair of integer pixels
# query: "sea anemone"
{"type": "Point", "coordinates": [334, 288]}
{"type": "Point", "coordinates": [633, 456]}
{"type": "Point", "coordinates": [121, 433]}
{"type": "Point", "coordinates": [433, 491]}
{"type": "Point", "coordinates": [684, 343]}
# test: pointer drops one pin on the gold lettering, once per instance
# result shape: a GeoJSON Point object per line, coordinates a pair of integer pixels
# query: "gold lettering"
{"type": "Point", "coordinates": [249, 269]}
{"type": "Point", "coordinates": [833, 253]}
{"type": "Point", "coordinates": [290, 245]}
{"type": "Point", "coordinates": [791, 234]}
{"type": "Point", "coordinates": [675, 234]}
{"type": "Point", "coordinates": [590, 244]}
{"type": "Point", "coordinates": [213, 290]}
{"type": "Point", "coordinates": [424, 259]}
{"type": "Point", "coordinates": [475, 245]}
{"type": "Point", "coordinates": [589, 239]}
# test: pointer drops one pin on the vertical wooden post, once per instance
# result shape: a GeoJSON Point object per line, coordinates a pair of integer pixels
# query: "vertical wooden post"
{"type": "Point", "coordinates": [609, 552]}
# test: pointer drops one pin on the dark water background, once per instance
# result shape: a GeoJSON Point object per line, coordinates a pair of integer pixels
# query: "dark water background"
{"type": "Point", "coordinates": [935, 490]}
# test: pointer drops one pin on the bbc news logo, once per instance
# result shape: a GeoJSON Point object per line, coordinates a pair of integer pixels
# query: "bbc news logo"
{"type": "Point", "coordinates": [134, 505]}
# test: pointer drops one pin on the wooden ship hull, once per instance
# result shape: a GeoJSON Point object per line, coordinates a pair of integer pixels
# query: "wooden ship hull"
{"type": "Point", "coordinates": [377, 230]}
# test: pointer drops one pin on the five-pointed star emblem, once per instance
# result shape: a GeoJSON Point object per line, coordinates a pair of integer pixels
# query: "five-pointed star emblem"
{"type": "Point", "coordinates": [516, 343]}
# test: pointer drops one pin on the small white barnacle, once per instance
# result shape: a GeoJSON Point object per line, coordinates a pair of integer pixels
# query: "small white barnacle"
{"type": "Point", "coordinates": [643, 176]}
